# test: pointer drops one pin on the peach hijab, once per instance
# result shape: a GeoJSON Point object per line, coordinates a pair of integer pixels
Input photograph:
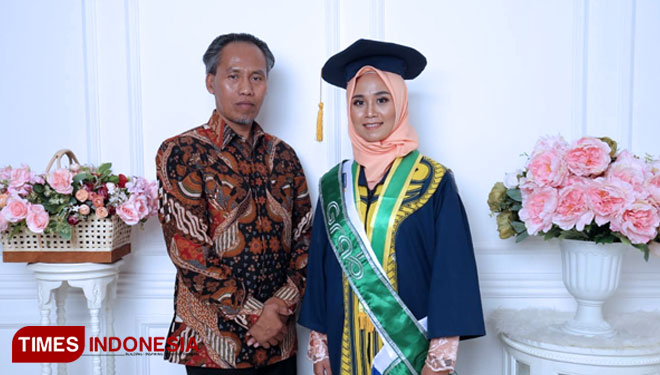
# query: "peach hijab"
{"type": "Point", "coordinates": [376, 157]}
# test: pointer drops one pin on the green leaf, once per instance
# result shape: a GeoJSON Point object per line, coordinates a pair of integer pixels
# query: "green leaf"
{"type": "Point", "coordinates": [16, 229]}
{"type": "Point", "coordinates": [64, 230]}
{"type": "Point", "coordinates": [104, 168]}
{"type": "Point", "coordinates": [555, 231]}
{"type": "Point", "coordinates": [80, 177]}
{"type": "Point", "coordinates": [114, 179]}
{"type": "Point", "coordinates": [623, 238]}
{"type": "Point", "coordinates": [573, 235]}
{"type": "Point", "coordinates": [521, 236]}
{"type": "Point", "coordinates": [514, 194]}
{"type": "Point", "coordinates": [604, 239]}
{"type": "Point", "coordinates": [38, 188]}
{"type": "Point", "coordinates": [518, 226]}
{"type": "Point", "coordinates": [643, 248]}
{"type": "Point", "coordinates": [516, 207]}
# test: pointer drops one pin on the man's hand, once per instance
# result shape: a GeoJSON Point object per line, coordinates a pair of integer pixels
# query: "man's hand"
{"type": "Point", "coordinates": [427, 371]}
{"type": "Point", "coordinates": [271, 326]}
{"type": "Point", "coordinates": [322, 367]}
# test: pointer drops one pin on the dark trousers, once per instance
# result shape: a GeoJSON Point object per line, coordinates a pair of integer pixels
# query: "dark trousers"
{"type": "Point", "coordinates": [286, 367]}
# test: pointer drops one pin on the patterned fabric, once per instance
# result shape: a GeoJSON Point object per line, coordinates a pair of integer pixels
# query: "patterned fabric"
{"type": "Point", "coordinates": [441, 356]}
{"type": "Point", "coordinates": [317, 350]}
{"type": "Point", "coordinates": [360, 341]}
{"type": "Point", "coordinates": [431, 263]}
{"type": "Point", "coordinates": [236, 219]}
{"type": "Point", "coordinates": [442, 353]}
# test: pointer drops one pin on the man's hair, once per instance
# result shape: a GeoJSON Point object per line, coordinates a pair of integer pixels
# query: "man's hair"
{"type": "Point", "coordinates": [212, 54]}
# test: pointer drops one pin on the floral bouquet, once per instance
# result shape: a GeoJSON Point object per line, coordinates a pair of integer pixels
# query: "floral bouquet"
{"type": "Point", "coordinates": [54, 202]}
{"type": "Point", "coordinates": [582, 191]}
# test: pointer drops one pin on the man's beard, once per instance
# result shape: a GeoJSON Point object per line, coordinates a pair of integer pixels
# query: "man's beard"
{"type": "Point", "coordinates": [247, 121]}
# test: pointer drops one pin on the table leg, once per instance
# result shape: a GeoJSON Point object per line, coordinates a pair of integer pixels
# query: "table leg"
{"type": "Point", "coordinates": [45, 292]}
{"type": "Point", "coordinates": [95, 291]}
{"type": "Point", "coordinates": [109, 321]}
{"type": "Point", "coordinates": [508, 363]}
{"type": "Point", "coordinates": [60, 301]}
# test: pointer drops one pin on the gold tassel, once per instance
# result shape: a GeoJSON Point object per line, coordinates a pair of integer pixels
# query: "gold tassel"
{"type": "Point", "coordinates": [319, 116]}
{"type": "Point", "coordinates": [319, 123]}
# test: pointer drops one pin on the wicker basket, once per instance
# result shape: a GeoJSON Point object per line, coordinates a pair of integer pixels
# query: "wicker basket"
{"type": "Point", "coordinates": [93, 239]}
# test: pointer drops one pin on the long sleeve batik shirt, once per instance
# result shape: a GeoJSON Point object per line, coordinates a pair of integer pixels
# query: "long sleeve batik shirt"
{"type": "Point", "coordinates": [236, 219]}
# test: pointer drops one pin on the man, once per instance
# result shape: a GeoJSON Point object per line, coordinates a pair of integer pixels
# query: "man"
{"type": "Point", "coordinates": [235, 213]}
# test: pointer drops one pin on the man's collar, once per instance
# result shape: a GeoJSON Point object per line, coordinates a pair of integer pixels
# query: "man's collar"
{"type": "Point", "coordinates": [223, 133]}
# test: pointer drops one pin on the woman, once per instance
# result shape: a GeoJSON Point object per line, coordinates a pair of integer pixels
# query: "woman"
{"type": "Point", "coordinates": [391, 260]}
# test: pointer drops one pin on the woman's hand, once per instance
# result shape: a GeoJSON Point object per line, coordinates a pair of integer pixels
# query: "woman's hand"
{"type": "Point", "coordinates": [425, 371]}
{"type": "Point", "coordinates": [323, 367]}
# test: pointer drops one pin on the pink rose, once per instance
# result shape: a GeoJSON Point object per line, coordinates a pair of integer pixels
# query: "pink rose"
{"type": "Point", "coordinates": [652, 186]}
{"type": "Point", "coordinates": [527, 187]}
{"type": "Point", "coordinates": [547, 168]}
{"type": "Point", "coordinates": [15, 210]}
{"type": "Point", "coordinates": [84, 210]}
{"type": "Point", "coordinates": [573, 208]}
{"type": "Point", "coordinates": [82, 195]}
{"type": "Point", "coordinates": [588, 156]}
{"type": "Point", "coordinates": [538, 209]}
{"type": "Point", "coordinates": [97, 201]}
{"type": "Point", "coordinates": [61, 181]}
{"type": "Point", "coordinates": [37, 218]}
{"type": "Point", "coordinates": [141, 205]}
{"type": "Point", "coordinates": [5, 173]}
{"type": "Point", "coordinates": [607, 198]}
{"type": "Point", "coordinates": [19, 180]}
{"type": "Point", "coordinates": [101, 212]}
{"type": "Point", "coordinates": [3, 223]}
{"type": "Point", "coordinates": [20, 177]}
{"type": "Point", "coordinates": [638, 221]}
{"type": "Point", "coordinates": [550, 143]}
{"type": "Point", "coordinates": [629, 170]}
{"type": "Point", "coordinates": [152, 197]}
{"type": "Point", "coordinates": [128, 213]}
{"type": "Point", "coordinates": [136, 185]}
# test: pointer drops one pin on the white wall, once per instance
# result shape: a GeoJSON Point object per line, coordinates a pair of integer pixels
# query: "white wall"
{"type": "Point", "coordinates": [112, 79]}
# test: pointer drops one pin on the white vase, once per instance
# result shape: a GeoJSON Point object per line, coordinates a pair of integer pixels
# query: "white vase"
{"type": "Point", "coordinates": [591, 274]}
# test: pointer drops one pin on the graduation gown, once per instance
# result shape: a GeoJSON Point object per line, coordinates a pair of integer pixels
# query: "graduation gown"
{"type": "Point", "coordinates": [434, 265]}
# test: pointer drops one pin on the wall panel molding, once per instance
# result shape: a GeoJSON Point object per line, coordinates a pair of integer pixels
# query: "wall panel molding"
{"type": "Point", "coordinates": [143, 324]}
{"type": "Point", "coordinates": [627, 75]}
{"type": "Point", "coordinates": [501, 285]}
{"type": "Point", "coordinates": [332, 96]}
{"type": "Point", "coordinates": [134, 96]}
{"type": "Point", "coordinates": [580, 66]}
{"type": "Point", "coordinates": [91, 62]}
{"type": "Point", "coordinates": [377, 19]}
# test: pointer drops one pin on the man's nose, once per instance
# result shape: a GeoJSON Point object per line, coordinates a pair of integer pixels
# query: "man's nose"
{"type": "Point", "coordinates": [245, 86]}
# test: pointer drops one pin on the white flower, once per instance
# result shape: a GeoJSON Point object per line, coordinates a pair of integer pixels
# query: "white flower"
{"type": "Point", "coordinates": [111, 187]}
{"type": "Point", "coordinates": [511, 179]}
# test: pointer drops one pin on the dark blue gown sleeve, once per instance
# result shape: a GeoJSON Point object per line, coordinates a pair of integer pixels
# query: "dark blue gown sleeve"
{"type": "Point", "coordinates": [313, 313]}
{"type": "Point", "coordinates": [454, 298]}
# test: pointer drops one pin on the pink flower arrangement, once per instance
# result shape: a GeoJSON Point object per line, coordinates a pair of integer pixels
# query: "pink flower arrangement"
{"type": "Point", "coordinates": [56, 201]}
{"type": "Point", "coordinates": [585, 191]}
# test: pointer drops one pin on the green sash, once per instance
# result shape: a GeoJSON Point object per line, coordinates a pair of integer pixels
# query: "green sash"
{"type": "Point", "coordinates": [394, 322]}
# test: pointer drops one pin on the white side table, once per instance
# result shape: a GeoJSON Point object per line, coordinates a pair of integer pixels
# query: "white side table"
{"type": "Point", "coordinates": [99, 285]}
{"type": "Point", "coordinates": [534, 346]}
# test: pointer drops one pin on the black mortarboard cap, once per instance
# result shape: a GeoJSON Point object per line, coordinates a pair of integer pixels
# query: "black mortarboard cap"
{"type": "Point", "coordinates": [396, 58]}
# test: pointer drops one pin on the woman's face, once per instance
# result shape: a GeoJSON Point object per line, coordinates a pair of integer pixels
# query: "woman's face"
{"type": "Point", "coordinates": [372, 108]}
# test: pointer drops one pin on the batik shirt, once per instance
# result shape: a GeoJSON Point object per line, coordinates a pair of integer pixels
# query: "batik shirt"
{"type": "Point", "coordinates": [236, 220]}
